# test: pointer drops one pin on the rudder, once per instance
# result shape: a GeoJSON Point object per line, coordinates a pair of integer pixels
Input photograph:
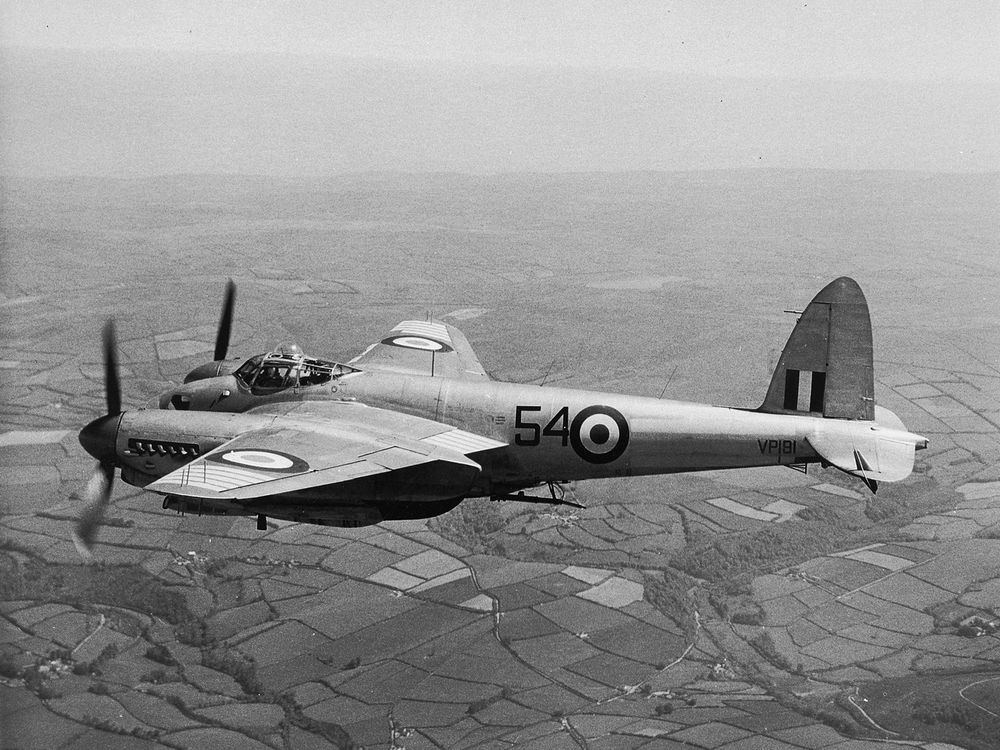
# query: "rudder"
{"type": "Point", "coordinates": [827, 366]}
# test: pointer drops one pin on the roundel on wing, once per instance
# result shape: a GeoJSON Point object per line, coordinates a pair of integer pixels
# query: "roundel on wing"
{"type": "Point", "coordinates": [262, 460]}
{"type": "Point", "coordinates": [417, 342]}
{"type": "Point", "coordinates": [599, 434]}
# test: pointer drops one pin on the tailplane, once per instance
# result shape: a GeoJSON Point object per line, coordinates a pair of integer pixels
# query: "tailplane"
{"type": "Point", "coordinates": [826, 370]}
{"type": "Point", "coordinates": [882, 451]}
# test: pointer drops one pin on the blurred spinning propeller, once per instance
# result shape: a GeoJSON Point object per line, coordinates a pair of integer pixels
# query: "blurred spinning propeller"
{"type": "Point", "coordinates": [98, 439]}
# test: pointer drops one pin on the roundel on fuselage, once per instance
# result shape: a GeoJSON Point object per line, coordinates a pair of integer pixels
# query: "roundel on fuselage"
{"type": "Point", "coordinates": [599, 434]}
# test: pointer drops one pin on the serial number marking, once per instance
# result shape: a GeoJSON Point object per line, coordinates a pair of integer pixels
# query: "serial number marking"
{"type": "Point", "coordinates": [776, 447]}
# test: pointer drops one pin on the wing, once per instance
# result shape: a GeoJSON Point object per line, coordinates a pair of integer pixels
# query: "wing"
{"type": "Point", "coordinates": [318, 449]}
{"type": "Point", "coordinates": [418, 347]}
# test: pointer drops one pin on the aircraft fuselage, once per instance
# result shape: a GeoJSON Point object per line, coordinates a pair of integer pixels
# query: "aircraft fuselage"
{"type": "Point", "coordinates": [567, 434]}
{"type": "Point", "coordinates": [563, 434]}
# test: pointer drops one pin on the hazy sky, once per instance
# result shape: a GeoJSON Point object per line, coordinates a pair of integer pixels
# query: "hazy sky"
{"type": "Point", "coordinates": [853, 38]}
{"type": "Point", "coordinates": [133, 87]}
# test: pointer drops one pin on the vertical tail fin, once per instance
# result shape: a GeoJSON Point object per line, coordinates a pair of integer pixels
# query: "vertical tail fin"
{"type": "Point", "coordinates": [826, 366]}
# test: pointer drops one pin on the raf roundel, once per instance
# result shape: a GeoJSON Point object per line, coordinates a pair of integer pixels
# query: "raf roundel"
{"type": "Point", "coordinates": [417, 342]}
{"type": "Point", "coordinates": [264, 460]}
{"type": "Point", "coordinates": [599, 434]}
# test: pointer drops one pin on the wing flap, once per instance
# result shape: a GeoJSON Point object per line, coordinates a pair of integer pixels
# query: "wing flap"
{"type": "Point", "coordinates": [461, 441]}
{"type": "Point", "coordinates": [395, 458]}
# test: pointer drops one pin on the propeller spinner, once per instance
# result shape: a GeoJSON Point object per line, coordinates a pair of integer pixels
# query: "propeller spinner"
{"type": "Point", "coordinates": [98, 439]}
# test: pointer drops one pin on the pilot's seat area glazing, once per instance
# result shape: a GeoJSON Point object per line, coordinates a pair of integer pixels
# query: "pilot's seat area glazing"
{"type": "Point", "coordinates": [287, 368]}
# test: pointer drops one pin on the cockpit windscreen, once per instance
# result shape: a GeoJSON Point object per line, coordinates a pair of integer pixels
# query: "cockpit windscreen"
{"type": "Point", "coordinates": [267, 373]}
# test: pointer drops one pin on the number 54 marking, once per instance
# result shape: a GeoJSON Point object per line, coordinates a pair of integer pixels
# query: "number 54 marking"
{"type": "Point", "coordinates": [558, 426]}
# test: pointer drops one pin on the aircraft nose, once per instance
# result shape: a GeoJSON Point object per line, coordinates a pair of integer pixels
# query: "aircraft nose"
{"type": "Point", "coordinates": [100, 436]}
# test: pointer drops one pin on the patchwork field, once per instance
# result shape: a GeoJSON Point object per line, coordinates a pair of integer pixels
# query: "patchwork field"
{"type": "Point", "coordinates": [718, 610]}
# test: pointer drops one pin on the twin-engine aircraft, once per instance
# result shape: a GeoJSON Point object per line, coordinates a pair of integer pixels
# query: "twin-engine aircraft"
{"type": "Point", "coordinates": [414, 425]}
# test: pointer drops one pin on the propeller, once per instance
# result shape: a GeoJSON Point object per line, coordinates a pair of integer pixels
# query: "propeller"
{"type": "Point", "coordinates": [112, 384]}
{"type": "Point", "coordinates": [225, 322]}
{"type": "Point", "coordinates": [97, 495]}
{"type": "Point", "coordinates": [98, 439]}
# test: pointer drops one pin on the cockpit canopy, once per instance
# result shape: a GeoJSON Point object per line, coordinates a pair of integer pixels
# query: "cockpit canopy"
{"type": "Point", "coordinates": [288, 368]}
{"type": "Point", "coordinates": [289, 349]}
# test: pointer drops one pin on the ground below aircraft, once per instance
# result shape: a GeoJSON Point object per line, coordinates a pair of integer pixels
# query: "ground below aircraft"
{"type": "Point", "coordinates": [414, 425]}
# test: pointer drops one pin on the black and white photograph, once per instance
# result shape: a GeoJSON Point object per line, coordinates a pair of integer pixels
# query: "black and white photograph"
{"type": "Point", "coordinates": [543, 375]}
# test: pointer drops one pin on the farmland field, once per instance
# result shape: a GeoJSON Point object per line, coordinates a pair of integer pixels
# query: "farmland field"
{"type": "Point", "coordinates": [743, 607]}
{"type": "Point", "coordinates": [894, 704]}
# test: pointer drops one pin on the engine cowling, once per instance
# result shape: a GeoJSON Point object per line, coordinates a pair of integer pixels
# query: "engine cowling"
{"type": "Point", "coordinates": [148, 444]}
{"type": "Point", "coordinates": [212, 370]}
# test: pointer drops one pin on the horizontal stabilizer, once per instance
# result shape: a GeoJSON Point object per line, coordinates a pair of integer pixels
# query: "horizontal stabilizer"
{"type": "Point", "coordinates": [880, 451]}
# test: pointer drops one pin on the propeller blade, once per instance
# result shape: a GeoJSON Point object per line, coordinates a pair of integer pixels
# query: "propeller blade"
{"type": "Point", "coordinates": [97, 438]}
{"type": "Point", "coordinates": [112, 386]}
{"type": "Point", "coordinates": [225, 322]}
{"type": "Point", "coordinates": [97, 495]}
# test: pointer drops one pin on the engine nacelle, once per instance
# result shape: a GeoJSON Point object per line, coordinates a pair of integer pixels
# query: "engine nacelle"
{"type": "Point", "coordinates": [149, 444]}
{"type": "Point", "coordinates": [212, 370]}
